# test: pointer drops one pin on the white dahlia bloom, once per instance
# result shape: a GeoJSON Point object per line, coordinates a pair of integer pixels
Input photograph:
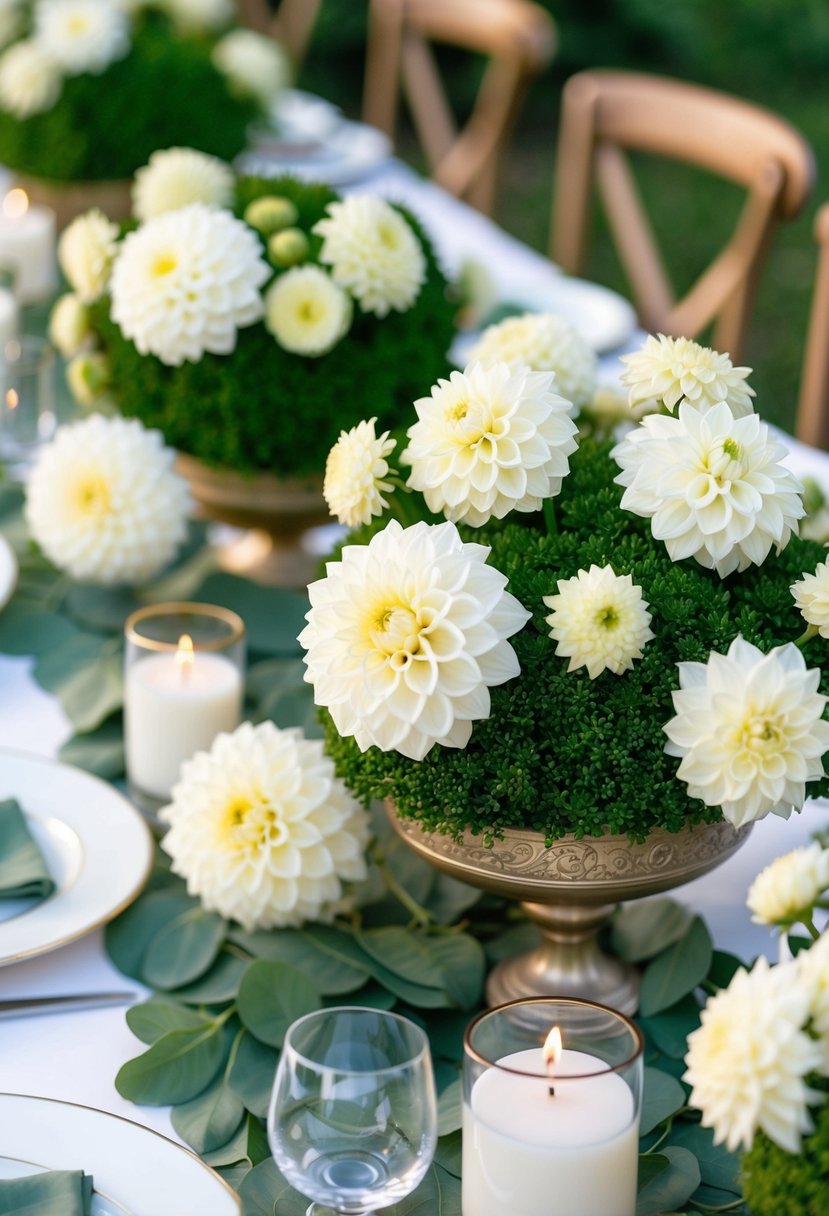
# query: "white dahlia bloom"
{"type": "Point", "coordinates": [254, 65]}
{"type": "Point", "coordinates": [104, 503]}
{"type": "Point", "coordinates": [787, 889]}
{"type": "Point", "coordinates": [11, 20]}
{"type": "Point", "coordinates": [813, 973]}
{"type": "Point", "coordinates": [748, 1061]}
{"type": "Point", "coordinates": [546, 343]}
{"type": "Point", "coordinates": [600, 620]}
{"type": "Point", "coordinates": [30, 79]}
{"type": "Point", "coordinates": [86, 251]}
{"type": "Point", "coordinates": [82, 35]}
{"type": "Point", "coordinates": [405, 637]}
{"type": "Point", "coordinates": [354, 474]}
{"type": "Point", "coordinates": [306, 312]}
{"type": "Point", "coordinates": [811, 594]}
{"type": "Point", "coordinates": [200, 16]}
{"type": "Point", "coordinates": [712, 485]}
{"type": "Point", "coordinates": [69, 328]}
{"type": "Point", "coordinates": [184, 282]}
{"type": "Point", "coordinates": [749, 729]}
{"type": "Point", "coordinates": [175, 177]}
{"type": "Point", "coordinates": [490, 440]}
{"type": "Point", "coordinates": [669, 370]}
{"type": "Point", "coordinates": [263, 830]}
{"type": "Point", "coordinates": [373, 253]}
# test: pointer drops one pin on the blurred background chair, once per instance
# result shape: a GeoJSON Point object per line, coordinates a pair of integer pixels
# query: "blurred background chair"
{"type": "Point", "coordinates": [292, 23]}
{"type": "Point", "coordinates": [517, 39]}
{"type": "Point", "coordinates": [812, 422]}
{"type": "Point", "coordinates": [607, 114]}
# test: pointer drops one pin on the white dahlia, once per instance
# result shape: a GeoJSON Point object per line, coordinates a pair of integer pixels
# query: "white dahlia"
{"type": "Point", "coordinates": [11, 20]}
{"type": "Point", "coordinates": [254, 65]}
{"type": "Point", "coordinates": [104, 503]}
{"type": "Point", "coordinates": [669, 370]}
{"type": "Point", "coordinates": [86, 251]}
{"type": "Point", "coordinates": [600, 620]}
{"type": "Point", "coordinates": [200, 16]}
{"type": "Point", "coordinates": [373, 253]}
{"type": "Point", "coordinates": [82, 35]}
{"type": "Point", "coordinates": [748, 1061]}
{"type": "Point", "coordinates": [184, 282]}
{"type": "Point", "coordinates": [813, 973]}
{"type": "Point", "coordinates": [749, 729]}
{"type": "Point", "coordinates": [405, 637]}
{"type": "Point", "coordinates": [263, 829]}
{"type": "Point", "coordinates": [306, 312]}
{"type": "Point", "coordinates": [30, 79]}
{"type": "Point", "coordinates": [811, 595]}
{"type": "Point", "coordinates": [69, 328]}
{"type": "Point", "coordinates": [175, 177]}
{"type": "Point", "coordinates": [354, 474]}
{"type": "Point", "coordinates": [490, 440]}
{"type": "Point", "coordinates": [546, 343]}
{"type": "Point", "coordinates": [787, 889]}
{"type": "Point", "coordinates": [712, 485]}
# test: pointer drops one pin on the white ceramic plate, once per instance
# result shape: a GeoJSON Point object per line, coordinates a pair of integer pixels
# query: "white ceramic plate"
{"type": "Point", "coordinates": [347, 154]}
{"type": "Point", "coordinates": [8, 571]}
{"type": "Point", "coordinates": [96, 845]}
{"type": "Point", "coordinates": [136, 1171]}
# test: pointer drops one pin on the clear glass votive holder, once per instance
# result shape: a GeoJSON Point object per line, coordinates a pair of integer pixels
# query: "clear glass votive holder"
{"type": "Point", "coordinates": [551, 1128]}
{"type": "Point", "coordinates": [184, 667]}
{"type": "Point", "coordinates": [28, 417]}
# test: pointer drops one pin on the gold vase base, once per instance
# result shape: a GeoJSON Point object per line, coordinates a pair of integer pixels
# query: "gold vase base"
{"type": "Point", "coordinates": [271, 560]}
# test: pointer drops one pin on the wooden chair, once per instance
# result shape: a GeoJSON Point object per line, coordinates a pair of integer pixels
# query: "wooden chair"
{"type": "Point", "coordinates": [292, 25]}
{"type": "Point", "coordinates": [812, 424]}
{"type": "Point", "coordinates": [604, 115]}
{"type": "Point", "coordinates": [516, 37]}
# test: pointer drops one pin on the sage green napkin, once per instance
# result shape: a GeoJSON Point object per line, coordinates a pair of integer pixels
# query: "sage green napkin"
{"type": "Point", "coordinates": [55, 1193]}
{"type": "Point", "coordinates": [23, 873]}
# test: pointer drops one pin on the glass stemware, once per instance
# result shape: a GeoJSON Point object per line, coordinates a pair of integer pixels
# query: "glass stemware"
{"type": "Point", "coordinates": [352, 1122]}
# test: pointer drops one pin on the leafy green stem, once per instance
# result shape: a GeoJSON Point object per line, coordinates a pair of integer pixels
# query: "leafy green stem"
{"type": "Point", "coordinates": [419, 914]}
{"type": "Point", "coordinates": [550, 517]}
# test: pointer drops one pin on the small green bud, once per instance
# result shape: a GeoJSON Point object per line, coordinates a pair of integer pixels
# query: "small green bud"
{"type": "Point", "coordinates": [288, 248]}
{"type": "Point", "coordinates": [271, 214]}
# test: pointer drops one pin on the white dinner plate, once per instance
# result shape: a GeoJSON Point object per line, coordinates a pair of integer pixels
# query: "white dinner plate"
{"type": "Point", "coordinates": [135, 1171]}
{"type": "Point", "coordinates": [96, 846]}
{"type": "Point", "coordinates": [8, 571]}
{"type": "Point", "coordinates": [348, 153]}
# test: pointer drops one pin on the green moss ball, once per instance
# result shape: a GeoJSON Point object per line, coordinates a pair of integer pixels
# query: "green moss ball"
{"type": "Point", "coordinates": [777, 1183]}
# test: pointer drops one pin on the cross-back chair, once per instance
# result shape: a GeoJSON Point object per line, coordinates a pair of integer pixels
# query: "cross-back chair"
{"type": "Point", "coordinates": [812, 424]}
{"type": "Point", "coordinates": [516, 37]}
{"type": "Point", "coordinates": [605, 115]}
{"type": "Point", "coordinates": [292, 25]}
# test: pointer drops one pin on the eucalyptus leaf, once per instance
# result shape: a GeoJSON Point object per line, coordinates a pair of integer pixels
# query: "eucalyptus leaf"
{"type": "Point", "coordinates": [280, 693]}
{"type": "Point", "coordinates": [273, 616]}
{"type": "Point", "coordinates": [85, 674]}
{"type": "Point", "coordinates": [251, 1074]}
{"type": "Point", "coordinates": [266, 1192]}
{"type": "Point", "coordinates": [156, 1017]}
{"type": "Point", "coordinates": [211, 1119]}
{"type": "Point", "coordinates": [249, 1143]}
{"type": "Point", "coordinates": [641, 930]}
{"type": "Point", "coordinates": [671, 1186]}
{"type": "Point", "coordinates": [101, 608]}
{"type": "Point", "coordinates": [176, 1068]}
{"type": "Point", "coordinates": [330, 975]}
{"type": "Point", "coordinates": [219, 984]}
{"type": "Point", "coordinates": [676, 971]}
{"type": "Point", "coordinates": [271, 997]}
{"type": "Point", "coordinates": [184, 949]}
{"type": "Point", "coordinates": [449, 899]}
{"type": "Point", "coordinates": [718, 1167]}
{"type": "Point", "coordinates": [515, 940]}
{"type": "Point", "coordinates": [723, 968]}
{"type": "Point", "coordinates": [449, 1153]}
{"type": "Point", "coordinates": [25, 630]}
{"type": "Point", "coordinates": [462, 965]}
{"type": "Point", "coordinates": [373, 996]}
{"type": "Point", "coordinates": [127, 938]}
{"type": "Point", "coordinates": [439, 1194]}
{"type": "Point", "coordinates": [663, 1097]}
{"type": "Point", "coordinates": [100, 751]}
{"type": "Point", "coordinates": [450, 1109]}
{"type": "Point", "coordinates": [404, 954]}
{"type": "Point", "coordinates": [669, 1030]}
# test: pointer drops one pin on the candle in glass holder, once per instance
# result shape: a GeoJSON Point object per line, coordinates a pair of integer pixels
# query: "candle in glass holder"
{"type": "Point", "coordinates": [28, 243]}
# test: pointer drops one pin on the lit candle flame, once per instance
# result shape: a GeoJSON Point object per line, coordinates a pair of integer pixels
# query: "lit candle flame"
{"type": "Point", "coordinates": [184, 654]}
{"type": "Point", "coordinates": [552, 1053]}
{"type": "Point", "coordinates": [15, 204]}
{"type": "Point", "coordinates": [12, 399]}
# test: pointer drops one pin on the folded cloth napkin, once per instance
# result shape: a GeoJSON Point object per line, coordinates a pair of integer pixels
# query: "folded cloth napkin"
{"type": "Point", "coordinates": [54, 1193]}
{"type": "Point", "coordinates": [23, 873]}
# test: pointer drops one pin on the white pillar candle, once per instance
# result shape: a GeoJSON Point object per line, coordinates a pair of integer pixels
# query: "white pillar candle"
{"type": "Point", "coordinates": [173, 709]}
{"type": "Point", "coordinates": [527, 1152]}
{"type": "Point", "coordinates": [28, 243]}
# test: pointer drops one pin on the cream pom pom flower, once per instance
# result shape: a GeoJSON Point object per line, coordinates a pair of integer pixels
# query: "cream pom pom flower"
{"type": "Point", "coordinates": [405, 637]}
{"type": "Point", "coordinates": [600, 620]}
{"type": "Point", "coordinates": [104, 503]}
{"type": "Point", "coordinates": [82, 35]}
{"type": "Point", "coordinates": [813, 973]}
{"type": "Point", "coordinates": [185, 281]}
{"type": "Point", "coordinates": [175, 177]}
{"type": "Point", "coordinates": [712, 485]}
{"type": "Point", "coordinates": [749, 729]}
{"type": "Point", "coordinates": [787, 889]}
{"type": "Point", "coordinates": [811, 594]}
{"type": "Point", "coordinates": [69, 328]}
{"type": "Point", "coordinates": [748, 1061]}
{"type": "Point", "coordinates": [354, 474]}
{"type": "Point", "coordinates": [306, 312]}
{"type": "Point", "coordinates": [86, 251]}
{"type": "Point", "coordinates": [263, 830]}
{"type": "Point", "coordinates": [489, 441]}
{"type": "Point", "coordinates": [546, 343]}
{"type": "Point", "coordinates": [30, 79]}
{"type": "Point", "coordinates": [670, 370]}
{"type": "Point", "coordinates": [255, 66]}
{"type": "Point", "coordinates": [373, 253]}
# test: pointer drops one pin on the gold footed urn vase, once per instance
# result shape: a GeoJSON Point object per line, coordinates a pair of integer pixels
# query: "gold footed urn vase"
{"type": "Point", "coordinates": [570, 891]}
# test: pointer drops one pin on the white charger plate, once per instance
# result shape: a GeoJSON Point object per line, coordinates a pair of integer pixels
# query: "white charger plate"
{"type": "Point", "coordinates": [135, 1171]}
{"type": "Point", "coordinates": [97, 848]}
{"type": "Point", "coordinates": [8, 571]}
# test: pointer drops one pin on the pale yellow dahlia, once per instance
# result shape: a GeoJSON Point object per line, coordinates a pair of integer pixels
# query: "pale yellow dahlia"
{"type": "Point", "coordinates": [749, 728]}
{"type": "Point", "coordinates": [86, 251]}
{"type": "Point", "coordinates": [373, 253]}
{"type": "Point", "coordinates": [354, 474]}
{"type": "Point", "coordinates": [490, 440]}
{"type": "Point", "coordinates": [405, 637]}
{"type": "Point", "coordinates": [600, 620]}
{"type": "Point", "coordinates": [669, 370]}
{"type": "Point", "coordinates": [69, 328]}
{"type": "Point", "coordinates": [306, 312]}
{"type": "Point", "coordinates": [254, 65]}
{"type": "Point", "coordinates": [813, 968]}
{"type": "Point", "coordinates": [174, 177]}
{"type": "Point", "coordinates": [787, 889]}
{"type": "Point", "coordinates": [104, 503]}
{"type": "Point", "coordinates": [811, 594]}
{"type": "Point", "coordinates": [546, 343]}
{"type": "Point", "coordinates": [263, 830]}
{"type": "Point", "coordinates": [30, 80]}
{"type": "Point", "coordinates": [82, 35]}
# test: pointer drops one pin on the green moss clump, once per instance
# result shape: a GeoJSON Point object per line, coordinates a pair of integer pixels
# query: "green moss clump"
{"type": "Point", "coordinates": [777, 1183]}
{"type": "Point", "coordinates": [560, 752]}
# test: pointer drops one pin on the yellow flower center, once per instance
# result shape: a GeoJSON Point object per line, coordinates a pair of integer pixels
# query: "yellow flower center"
{"type": "Point", "coordinates": [250, 822]}
{"type": "Point", "coordinates": [164, 264]}
{"type": "Point", "coordinates": [457, 412]}
{"type": "Point", "coordinates": [77, 25]}
{"type": "Point", "coordinates": [760, 733]}
{"type": "Point", "coordinates": [607, 617]}
{"type": "Point", "coordinates": [388, 236]}
{"type": "Point", "coordinates": [726, 462]}
{"type": "Point", "coordinates": [309, 311]}
{"type": "Point", "coordinates": [92, 496]}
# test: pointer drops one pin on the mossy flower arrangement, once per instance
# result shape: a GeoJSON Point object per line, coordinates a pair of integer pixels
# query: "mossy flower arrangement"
{"type": "Point", "coordinates": [575, 637]}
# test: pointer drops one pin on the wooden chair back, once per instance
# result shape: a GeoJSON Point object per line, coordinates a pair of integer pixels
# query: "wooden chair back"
{"type": "Point", "coordinates": [812, 423]}
{"type": "Point", "coordinates": [516, 37]}
{"type": "Point", "coordinates": [606, 114]}
{"type": "Point", "coordinates": [292, 25]}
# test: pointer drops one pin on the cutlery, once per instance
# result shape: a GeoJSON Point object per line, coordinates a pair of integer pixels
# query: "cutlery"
{"type": "Point", "coordinates": [24, 1006]}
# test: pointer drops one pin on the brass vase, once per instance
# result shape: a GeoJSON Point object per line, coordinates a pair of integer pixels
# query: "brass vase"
{"type": "Point", "coordinates": [70, 199]}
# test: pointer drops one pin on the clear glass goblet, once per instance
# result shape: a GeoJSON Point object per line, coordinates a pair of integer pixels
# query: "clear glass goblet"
{"type": "Point", "coordinates": [352, 1122]}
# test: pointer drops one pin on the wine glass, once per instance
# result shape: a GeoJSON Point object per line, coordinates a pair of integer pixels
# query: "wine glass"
{"type": "Point", "coordinates": [352, 1122]}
